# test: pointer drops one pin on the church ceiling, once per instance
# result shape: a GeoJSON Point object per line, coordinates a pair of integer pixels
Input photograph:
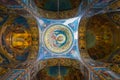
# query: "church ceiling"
{"type": "Point", "coordinates": [26, 34]}
{"type": "Point", "coordinates": [54, 15]}
{"type": "Point", "coordinates": [101, 42]}
{"type": "Point", "coordinates": [52, 5]}
{"type": "Point", "coordinates": [18, 39]}
{"type": "Point", "coordinates": [66, 73]}
{"type": "Point", "coordinates": [60, 61]}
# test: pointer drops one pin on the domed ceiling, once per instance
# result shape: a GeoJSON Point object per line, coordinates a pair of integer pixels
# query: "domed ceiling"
{"type": "Point", "coordinates": [55, 5]}
{"type": "Point", "coordinates": [22, 36]}
{"type": "Point", "coordinates": [99, 37]}
{"type": "Point", "coordinates": [60, 73]}
{"type": "Point", "coordinates": [102, 36]}
{"type": "Point", "coordinates": [18, 39]}
{"type": "Point", "coordinates": [50, 8]}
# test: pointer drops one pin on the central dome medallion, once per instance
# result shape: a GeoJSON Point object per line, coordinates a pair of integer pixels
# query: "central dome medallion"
{"type": "Point", "coordinates": [58, 38]}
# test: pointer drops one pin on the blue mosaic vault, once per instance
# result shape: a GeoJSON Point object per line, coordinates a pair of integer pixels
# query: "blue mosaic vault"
{"type": "Point", "coordinates": [58, 38]}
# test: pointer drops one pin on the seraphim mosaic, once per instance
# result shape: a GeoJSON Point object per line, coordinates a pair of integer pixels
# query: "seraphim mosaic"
{"type": "Point", "coordinates": [59, 39]}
